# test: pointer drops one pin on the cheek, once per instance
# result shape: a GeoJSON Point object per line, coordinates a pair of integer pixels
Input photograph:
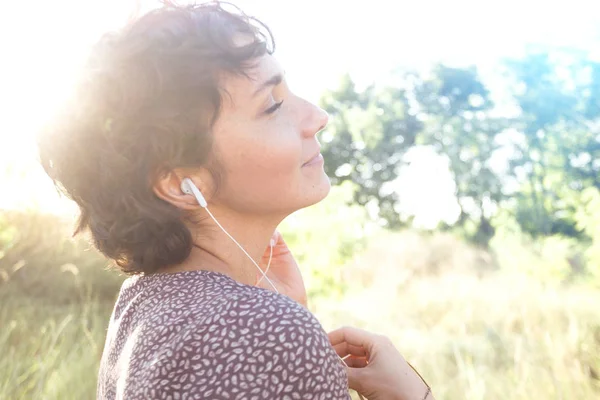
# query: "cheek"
{"type": "Point", "coordinates": [267, 166]}
{"type": "Point", "coordinates": [271, 162]}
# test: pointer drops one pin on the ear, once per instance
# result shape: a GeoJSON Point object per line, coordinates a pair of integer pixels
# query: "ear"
{"type": "Point", "coordinates": [167, 186]}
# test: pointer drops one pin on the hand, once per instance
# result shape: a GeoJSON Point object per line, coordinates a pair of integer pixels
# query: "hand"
{"type": "Point", "coordinates": [375, 368]}
{"type": "Point", "coordinates": [283, 272]}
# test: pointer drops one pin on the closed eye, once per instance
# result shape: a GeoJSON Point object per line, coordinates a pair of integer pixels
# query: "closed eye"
{"type": "Point", "coordinates": [274, 108]}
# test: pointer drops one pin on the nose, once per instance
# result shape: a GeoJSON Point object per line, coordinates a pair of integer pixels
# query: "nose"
{"type": "Point", "coordinates": [316, 120]}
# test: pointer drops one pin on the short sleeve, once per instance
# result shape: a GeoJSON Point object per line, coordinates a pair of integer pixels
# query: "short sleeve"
{"type": "Point", "coordinates": [252, 348]}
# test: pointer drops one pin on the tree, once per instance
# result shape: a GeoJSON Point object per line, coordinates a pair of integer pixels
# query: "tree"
{"type": "Point", "coordinates": [365, 141]}
{"type": "Point", "coordinates": [559, 152]}
{"type": "Point", "coordinates": [456, 108]}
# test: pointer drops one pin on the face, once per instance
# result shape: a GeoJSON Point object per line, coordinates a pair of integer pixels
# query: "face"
{"type": "Point", "coordinates": [266, 145]}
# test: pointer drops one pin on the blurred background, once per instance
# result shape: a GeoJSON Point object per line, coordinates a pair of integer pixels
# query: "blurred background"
{"type": "Point", "coordinates": [464, 221]}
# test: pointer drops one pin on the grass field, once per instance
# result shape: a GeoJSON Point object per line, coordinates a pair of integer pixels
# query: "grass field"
{"type": "Point", "coordinates": [474, 328]}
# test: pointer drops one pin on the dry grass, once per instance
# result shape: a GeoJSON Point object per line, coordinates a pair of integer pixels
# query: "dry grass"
{"type": "Point", "coordinates": [473, 335]}
{"type": "Point", "coordinates": [475, 329]}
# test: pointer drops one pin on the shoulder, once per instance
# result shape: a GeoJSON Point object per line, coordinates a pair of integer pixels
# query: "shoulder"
{"type": "Point", "coordinates": [257, 344]}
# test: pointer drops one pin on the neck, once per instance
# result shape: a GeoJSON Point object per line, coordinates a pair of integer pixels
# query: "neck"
{"type": "Point", "coordinates": [214, 251]}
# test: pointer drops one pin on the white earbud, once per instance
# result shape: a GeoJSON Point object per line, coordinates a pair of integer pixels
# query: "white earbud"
{"type": "Point", "coordinates": [188, 187]}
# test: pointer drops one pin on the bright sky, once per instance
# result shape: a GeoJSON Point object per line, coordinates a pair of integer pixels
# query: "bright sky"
{"type": "Point", "coordinates": [44, 42]}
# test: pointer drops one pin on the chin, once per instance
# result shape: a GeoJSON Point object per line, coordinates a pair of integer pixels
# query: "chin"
{"type": "Point", "coordinates": [311, 194]}
{"type": "Point", "coordinates": [317, 192]}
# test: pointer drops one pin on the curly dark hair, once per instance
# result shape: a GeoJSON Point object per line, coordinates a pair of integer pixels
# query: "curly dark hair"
{"type": "Point", "coordinates": [149, 97]}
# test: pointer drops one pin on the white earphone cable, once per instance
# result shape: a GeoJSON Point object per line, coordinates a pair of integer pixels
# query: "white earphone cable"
{"type": "Point", "coordinates": [268, 264]}
{"type": "Point", "coordinates": [241, 248]}
{"type": "Point", "coordinates": [264, 275]}
{"type": "Point", "coordinates": [188, 187]}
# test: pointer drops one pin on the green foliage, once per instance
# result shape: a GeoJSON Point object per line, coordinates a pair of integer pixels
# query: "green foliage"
{"type": "Point", "coordinates": [366, 138]}
{"type": "Point", "coordinates": [41, 260]}
{"type": "Point", "coordinates": [547, 260]}
{"type": "Point", "coordinates": [56, 297]}
{"type": "Point", "coordinates": [559, 150]}
{"type": "Point", "coordinates": [50, 351]}
{"type": "Point", "coordinates": [325, 236]}
{"type": "Point", "coordinates": [531, 153]}
{"type": "Point", "coordinates": [588, 220]}
{"type": "Point", "coordinates": [456, 108]}
{"type": "Point", "coordinates": [552, 260]}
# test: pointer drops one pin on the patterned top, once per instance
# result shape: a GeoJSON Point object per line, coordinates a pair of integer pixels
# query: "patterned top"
{"type": "Point", "coordinates": [203, 335]}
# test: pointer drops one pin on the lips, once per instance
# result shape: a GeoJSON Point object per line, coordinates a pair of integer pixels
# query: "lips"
{"type": "Point", "coordinates": [314, 158]}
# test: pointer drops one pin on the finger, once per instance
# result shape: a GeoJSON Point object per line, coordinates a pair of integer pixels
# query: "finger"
{"type": "Point", "coordinates": [354, 337]}
{"type": "Point", "coordinates": [280, 246]}
{"type": "Point", "coordinates": [277, 238]}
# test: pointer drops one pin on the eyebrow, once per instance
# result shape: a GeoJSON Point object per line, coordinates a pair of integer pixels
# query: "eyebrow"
{"type": "Point", "coordinates": [273, 81]}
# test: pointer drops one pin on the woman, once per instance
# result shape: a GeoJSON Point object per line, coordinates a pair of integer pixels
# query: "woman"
{"type": "Point", "coordinates": [184, 149]}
